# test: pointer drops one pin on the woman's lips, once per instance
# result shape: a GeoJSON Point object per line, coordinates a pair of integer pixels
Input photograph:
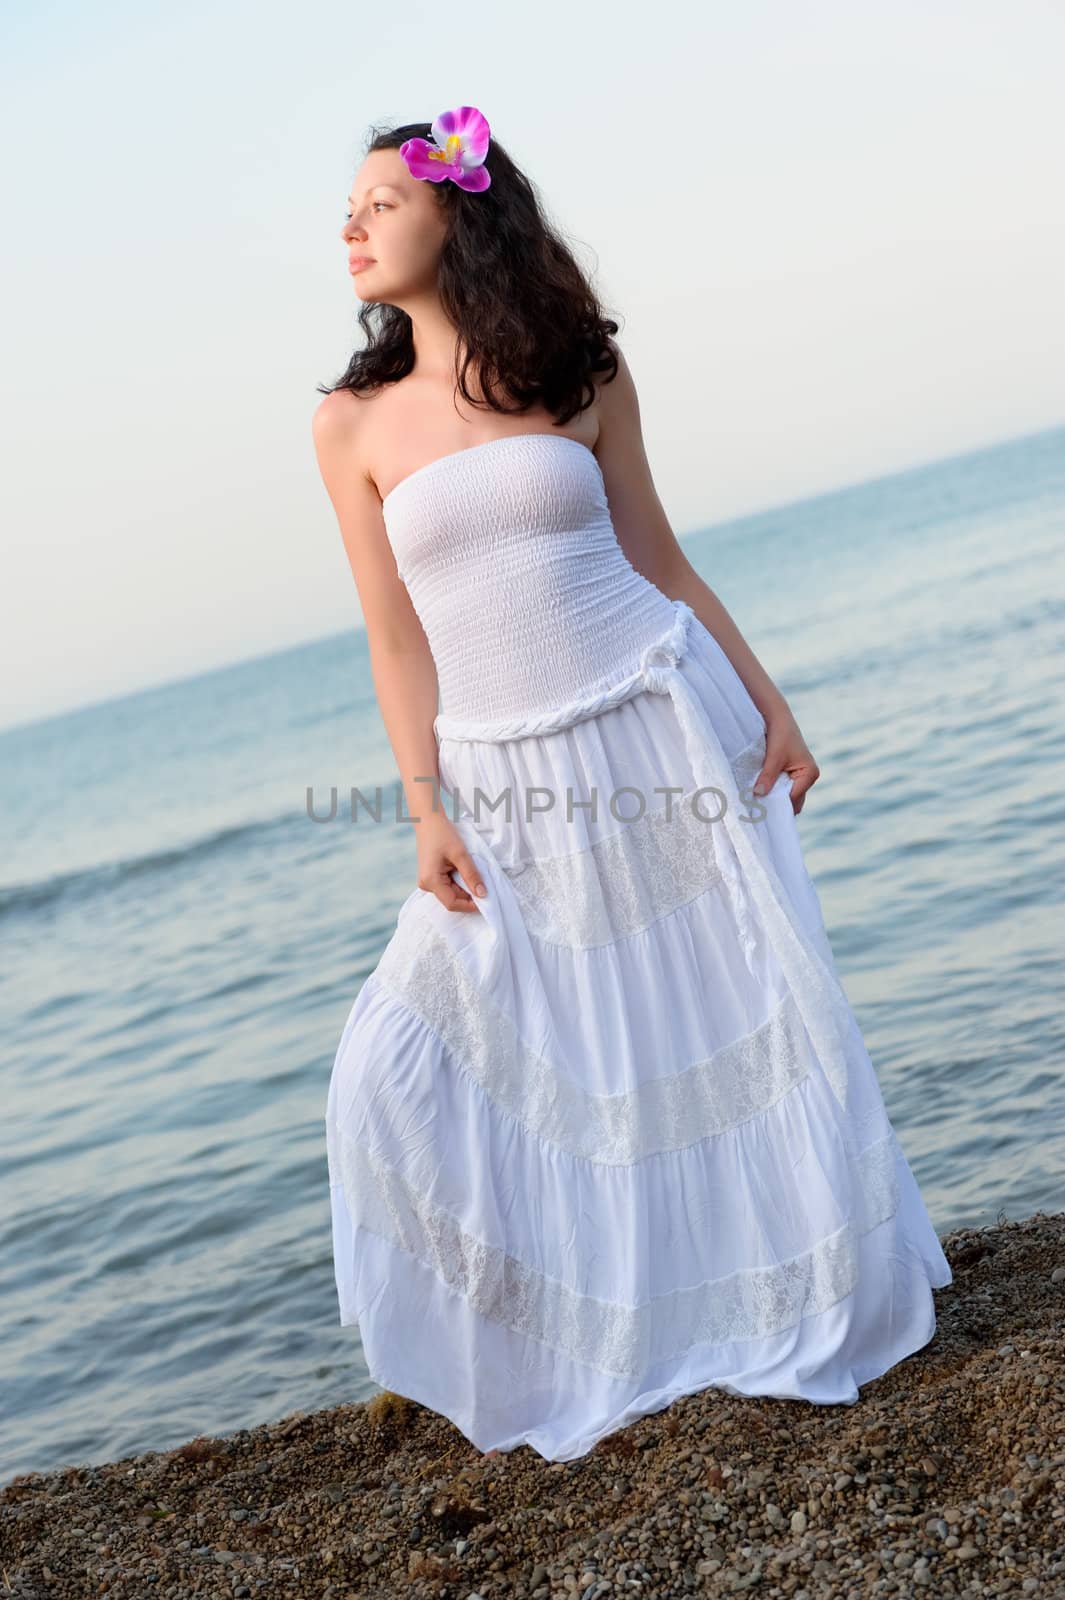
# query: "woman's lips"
{"type": "Point", "coordinates": [356, 263]}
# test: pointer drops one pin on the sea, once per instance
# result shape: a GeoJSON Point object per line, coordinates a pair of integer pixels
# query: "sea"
{"type": "Point", "coordinates": [185, 923]}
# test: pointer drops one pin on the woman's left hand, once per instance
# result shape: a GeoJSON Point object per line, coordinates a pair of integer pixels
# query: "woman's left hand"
{"type": "Point", "coordinates": [786, 751]}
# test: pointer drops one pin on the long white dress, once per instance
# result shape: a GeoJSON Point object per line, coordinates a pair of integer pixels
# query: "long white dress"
{"type": "Point", "coordinates": [616, 1137]}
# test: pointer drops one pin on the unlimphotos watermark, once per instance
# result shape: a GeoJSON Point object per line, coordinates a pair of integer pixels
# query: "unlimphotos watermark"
{"type": "Point", "coordinates": [538, 800]}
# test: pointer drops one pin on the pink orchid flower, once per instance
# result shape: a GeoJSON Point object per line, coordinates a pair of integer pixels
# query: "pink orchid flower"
{"type": "Point", "coordinates": [461, 144]}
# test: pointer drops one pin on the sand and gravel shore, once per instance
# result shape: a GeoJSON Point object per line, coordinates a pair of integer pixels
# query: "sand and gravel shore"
{"type": "Point", "coordinates": [946, 1478]}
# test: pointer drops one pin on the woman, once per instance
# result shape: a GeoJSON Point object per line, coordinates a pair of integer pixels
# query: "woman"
{"type": "Point", "coordinates": [601, 1126]}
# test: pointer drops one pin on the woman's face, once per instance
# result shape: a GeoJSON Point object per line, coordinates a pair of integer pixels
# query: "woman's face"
{"type": "Point", "coordinates": [396, 223]}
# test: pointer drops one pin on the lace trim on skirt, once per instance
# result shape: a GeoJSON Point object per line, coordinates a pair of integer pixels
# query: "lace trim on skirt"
{"type": "Point", "coordinates": [739, 1080]}
{"type": "Point", "coordinates": [620, 1340]}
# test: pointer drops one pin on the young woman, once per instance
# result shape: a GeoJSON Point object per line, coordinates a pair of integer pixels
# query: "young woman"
{"type": "Point", "coordinates": [601, 1127]}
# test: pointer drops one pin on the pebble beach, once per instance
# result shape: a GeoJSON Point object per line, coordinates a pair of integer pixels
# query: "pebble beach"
{"type": "Point", "coordinates": [945, 1478]}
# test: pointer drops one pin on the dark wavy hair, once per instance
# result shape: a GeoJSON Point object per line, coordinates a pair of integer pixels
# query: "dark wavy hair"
{"type": "Point", "coordinates": [528, 317]}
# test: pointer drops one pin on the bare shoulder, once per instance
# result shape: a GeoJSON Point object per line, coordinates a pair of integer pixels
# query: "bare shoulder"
{"type": "Point", "coordinates": [617, 394]}
{"type": "Point", "coordinates": [618, 407]}
{"type": "Point", "coordinates": [339, 426]}
{"type": "Point", "coordinates": [640, 522]}
{"type": "Point", "coordinates": [341, 430]}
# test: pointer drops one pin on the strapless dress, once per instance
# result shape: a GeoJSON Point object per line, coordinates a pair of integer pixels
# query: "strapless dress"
{"type": "Point", "coordinates": [615, 1137]}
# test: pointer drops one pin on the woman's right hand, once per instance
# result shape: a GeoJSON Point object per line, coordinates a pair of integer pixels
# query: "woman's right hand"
{"type": "Point", "coordinates": [440, 851]}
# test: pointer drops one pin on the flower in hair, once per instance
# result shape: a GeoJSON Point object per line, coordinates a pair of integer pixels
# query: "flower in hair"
{"type": "Point", "coordinates": [458, 151]}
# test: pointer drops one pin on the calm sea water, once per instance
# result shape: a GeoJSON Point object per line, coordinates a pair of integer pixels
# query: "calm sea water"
{"type": "Point", "coordinates": [180, 945]}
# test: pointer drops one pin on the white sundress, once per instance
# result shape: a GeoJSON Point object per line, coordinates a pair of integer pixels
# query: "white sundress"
{"type": "Point", "coordinates": [615, 1137]}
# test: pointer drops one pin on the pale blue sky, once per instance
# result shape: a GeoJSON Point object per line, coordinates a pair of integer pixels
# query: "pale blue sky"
{"type": "Point", "coordinates": [832, 232]}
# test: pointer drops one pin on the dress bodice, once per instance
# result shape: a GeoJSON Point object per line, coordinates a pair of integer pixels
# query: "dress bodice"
{"type": "Point", "coordinates": [510, 557]}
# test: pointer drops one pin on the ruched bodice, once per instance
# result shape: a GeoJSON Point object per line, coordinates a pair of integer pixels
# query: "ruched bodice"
{"type": "Point", "coordinates": [510, 557]}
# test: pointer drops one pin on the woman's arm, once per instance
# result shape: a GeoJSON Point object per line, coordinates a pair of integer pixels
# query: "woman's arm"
{"type": "Point", "coordinates": [401, 662]}
{"type": "Point", "coordinates": [649, 543]}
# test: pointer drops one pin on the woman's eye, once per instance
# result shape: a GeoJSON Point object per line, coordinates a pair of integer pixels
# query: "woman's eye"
{"type": "Point", "coordinates": [347, 214]}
